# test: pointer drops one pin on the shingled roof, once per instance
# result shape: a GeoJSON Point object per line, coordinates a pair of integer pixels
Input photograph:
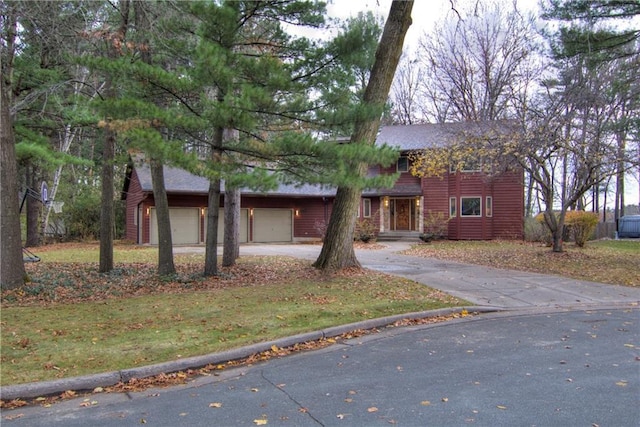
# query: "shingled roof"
{"type": "Point", "coordinates": [431, 135]}
{"type": "Point", "coordinates": [180, 181]}
{"type": "Point", "coordinates": [402, 137]}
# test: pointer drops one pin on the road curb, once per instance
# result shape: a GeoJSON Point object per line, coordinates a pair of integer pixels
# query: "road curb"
{"type": "Point", "coordinates": [90, 382]}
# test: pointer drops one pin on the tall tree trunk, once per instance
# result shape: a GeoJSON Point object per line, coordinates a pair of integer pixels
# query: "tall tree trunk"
{"type": "Point", "coordinates": [34, 206]}
{"type": "Point", "coordinates": [211, 245]}
{"type": "Point", "coordinates": [231, 249]}
{"type": "Point", "coordinates": [107, 212]}
{"type": "Point", "coordinates": [165, 244]}
{"type": "Point", "coordinates": [619, 207]}
{"type": "Point", "coordinates": [12, 273]}
{"type": "Point", "coordinates": [337, 250]}
{"type": "Point", "coordinates": [232, 202]}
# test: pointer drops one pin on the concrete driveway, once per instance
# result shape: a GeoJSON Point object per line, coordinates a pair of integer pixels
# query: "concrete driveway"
{"type": "Point", "coordinates": [483, 286]}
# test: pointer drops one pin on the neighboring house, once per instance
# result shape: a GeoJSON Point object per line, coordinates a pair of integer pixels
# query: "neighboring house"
{"type": "Point", "coordinates": [478, 206]}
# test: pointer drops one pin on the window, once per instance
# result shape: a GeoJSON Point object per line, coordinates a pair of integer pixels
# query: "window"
{"type": "Point", "coordinates": [366, 208]}
{"type": "Point", "coordinates": [452, 207]}
{"type": "Point", "coordinates": [488, 208]}
{"type": "Point", "coordinates": [403, 164]}
{"type": "Point", "coordinates": [470, 206]}
{"type": "Point", "coordinates": [470, 164]}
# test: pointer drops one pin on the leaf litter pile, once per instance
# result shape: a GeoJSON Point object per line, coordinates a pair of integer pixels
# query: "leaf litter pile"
{"type": "Point", "coordinates": [61, 282]}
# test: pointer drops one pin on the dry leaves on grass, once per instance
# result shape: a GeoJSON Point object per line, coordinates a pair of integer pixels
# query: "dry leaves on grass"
{"type": "Point", "coordinates": [52, 282]}
{"type": "Point", "coordinates": [594, 263]}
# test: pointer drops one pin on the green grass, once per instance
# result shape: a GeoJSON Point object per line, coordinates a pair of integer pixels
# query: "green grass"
{"type": "Point", "coordinates": [265, 300]}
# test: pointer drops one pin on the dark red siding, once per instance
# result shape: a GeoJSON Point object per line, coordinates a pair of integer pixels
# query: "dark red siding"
{"type": "Point", "coordinates": [134, 197]}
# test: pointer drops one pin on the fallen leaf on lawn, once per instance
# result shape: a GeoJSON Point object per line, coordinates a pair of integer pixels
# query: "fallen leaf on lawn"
{"type": "Point", "coordinates": [279, 317]}
{"type": "Point", "coordinates": [215, 405]}
{"type": "Point", "coordinates": [425, 403]}
{"type": "Point", "coordinates": [260, 422]}
{"type": "Point", "coordinates": [501, 407]}
{"type": "Point", "coordinates": [372, 409]}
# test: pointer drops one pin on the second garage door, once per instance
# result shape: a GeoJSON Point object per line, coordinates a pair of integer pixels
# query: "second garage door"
{"type": "Point", "coordinates": [272, 225]}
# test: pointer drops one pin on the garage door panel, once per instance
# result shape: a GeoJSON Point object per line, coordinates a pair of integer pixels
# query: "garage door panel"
{"type": "Point", "coordinates": [272, 225]}
{"type": "Point", "coordinates": [185, 226]}
{"type": "Point", "coordinates": [244, 226]}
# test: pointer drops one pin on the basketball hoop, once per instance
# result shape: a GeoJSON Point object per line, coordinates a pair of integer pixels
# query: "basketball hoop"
{"type": "Point", "coordinates": [57, 206]}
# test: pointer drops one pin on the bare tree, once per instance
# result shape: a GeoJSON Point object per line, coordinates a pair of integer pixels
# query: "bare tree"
{"type": "Point", "coordinates": [405, 94]}
{"type": "Point", "coordinates": [474, 66]}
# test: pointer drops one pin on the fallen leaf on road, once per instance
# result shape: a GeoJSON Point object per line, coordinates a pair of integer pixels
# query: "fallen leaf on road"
{"type": "Point", "coordinates": [372, 409]}
{"type": "Point", "coordinates": [260, 422]}
{"type": "Point", "coordinates": [425, 403]}
{"type": "Point", "coordinates": [215, 405]}
{"type": "Point", "coordinates": [501, 407]}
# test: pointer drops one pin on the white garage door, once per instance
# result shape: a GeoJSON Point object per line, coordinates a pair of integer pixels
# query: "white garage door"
{"type": "Point", "coordinates": [244, 226]}
{"type": "Point", "coordinates": [185, 226]}
{"type": "Point", "coordinates": [272, 225]}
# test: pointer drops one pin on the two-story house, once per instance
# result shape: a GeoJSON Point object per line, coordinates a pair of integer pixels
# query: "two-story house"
{"type": "Point", "coordinates": [477, 206]}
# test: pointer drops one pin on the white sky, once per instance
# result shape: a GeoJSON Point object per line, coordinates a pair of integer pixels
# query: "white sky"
{"type": "Point", "coordinates": [424, 14]}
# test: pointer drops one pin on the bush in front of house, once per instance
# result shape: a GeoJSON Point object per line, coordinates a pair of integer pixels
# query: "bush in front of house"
{"type": "Point", "coordinates": [578, 225]}
{"type": "Point", "coordinates": [436, 225]}
{"type": "Point", "coordinates": [365, 230]}
{"type": "Point", "coordinates": [581, 225]}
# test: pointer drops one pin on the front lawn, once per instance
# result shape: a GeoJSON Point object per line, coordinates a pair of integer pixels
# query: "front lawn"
{"type": "Point", "coordinates": [70, 320]}
{"type": "Point", "coordinates": [605, 261]}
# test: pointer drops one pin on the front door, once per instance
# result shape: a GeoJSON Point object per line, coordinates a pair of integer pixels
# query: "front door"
{"type": "Point", "coordinates": [402, 215]}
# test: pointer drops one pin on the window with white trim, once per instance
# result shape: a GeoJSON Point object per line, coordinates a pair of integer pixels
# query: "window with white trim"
{"type": "Point", "coordinates": [366, 208]}
{"type": "Point", "coordinates": [452, 207]}
{"type": "Point", "coordinates": [470, 206]}
{"type": "Point", "coordinates": [488, 208]}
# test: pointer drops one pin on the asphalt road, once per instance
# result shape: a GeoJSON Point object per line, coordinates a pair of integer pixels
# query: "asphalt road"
{"type": "Point", "coordinates": [553, 368]}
